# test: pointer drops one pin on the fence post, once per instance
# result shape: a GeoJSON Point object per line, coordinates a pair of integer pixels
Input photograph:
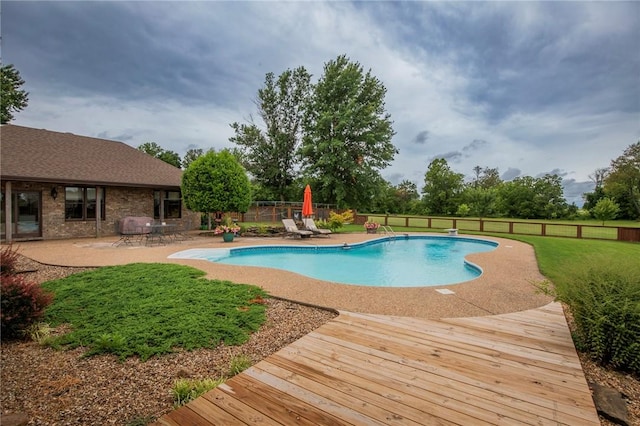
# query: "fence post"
{"type": "Point", "coordinates": [511, 227]}
{"type": "Point", "coordinates": [481, 225]}
{"type": "Point", "coordinates": [454, 223]}
{"type": "Point", "coordinates": [386, 220]}
{"type": "Point", "coordinates": [406, 222]}
{"type": "Point", "coordinates": [579, 231]}
{"type": "Point", "coordinates": [429, 223]}
{"type": "Point", "coordinates": [544, 229]}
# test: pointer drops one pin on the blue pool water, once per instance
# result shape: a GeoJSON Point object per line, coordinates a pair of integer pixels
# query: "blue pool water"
{"type": "Point", "coordinates": [407, 261]}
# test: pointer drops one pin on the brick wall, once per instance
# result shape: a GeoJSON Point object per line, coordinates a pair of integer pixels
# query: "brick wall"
{"type": "Point", "coordinates": [119, 202]}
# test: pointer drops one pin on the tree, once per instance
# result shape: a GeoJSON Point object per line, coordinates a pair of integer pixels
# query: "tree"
{"type": "Point", "coordinates": [406, 193]}
{"type": "Point", "coordinates": [623, 182]}
{"type": "Point", "coordinates": [591, 198]}
{"type": "Point", "coordinates": [12, 98]}
{"type": "Point", "coordinates": [271, 155]}
{"type": "Point", "coordinates": [481, 200]}
{"type": "Point", "coordinates": [191, 155]}
{"type": "Point", "coordinates": [532, 198]}
{"type": "Point", "coordinates": [155, 150]}
{"type": "Point", "coordinates": [442, 188]}
{"type": "Point", "coordinates": [348, 135]}
{"type": "Point", "coordinates": [605, 209]}
{"type": "Point", "coordinates": [216, 182]}
{"type": "Point", "coordinates": [489, 178]}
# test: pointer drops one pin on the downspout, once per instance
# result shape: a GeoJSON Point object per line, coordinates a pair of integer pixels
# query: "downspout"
{"type": "Point", "coordinates": [98, 212]}
{"type": "Point", "coordinates": [8, 230]}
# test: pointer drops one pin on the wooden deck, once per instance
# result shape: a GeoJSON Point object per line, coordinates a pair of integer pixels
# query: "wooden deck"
{"type": "Point", "coordinates": [360, 369]}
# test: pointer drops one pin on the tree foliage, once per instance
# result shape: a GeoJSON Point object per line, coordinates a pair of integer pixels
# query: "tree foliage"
{"type": "Point", "coordinates": [12, 98]}
{"type": "Point", "coordinates": [191, 155]}
{"type": "Point", "coordinates": [623, 182]}
{"type": "Point", "coordinates": [216, 182]}
{"type": "Point", "coordinates": [532, 198]}
{"type": "Point", "coordinates": [605, 209]}
{"type": "Point", "coordinates": [348, 135]}
{"type": "Point", "coordinates": [442, 188]}
{"type": "Point", "coordinates": [155, 150]}
{"type": "Point", "coordinates": [486, 177]}
{"type": "Point", "coordinates": [271, 155]}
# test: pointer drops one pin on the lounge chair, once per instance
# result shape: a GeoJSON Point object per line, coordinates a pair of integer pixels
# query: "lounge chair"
{"type": "Point", "coordinates": [311, 226]}
{"type": "Point", "coordinates": [291, 230]}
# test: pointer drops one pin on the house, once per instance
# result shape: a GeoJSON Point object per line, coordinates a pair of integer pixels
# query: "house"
{"type": "Point", "coordinates": [60, 185]}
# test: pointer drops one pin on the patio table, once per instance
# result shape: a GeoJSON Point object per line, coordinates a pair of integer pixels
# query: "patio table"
{"type": "Point", "coordinates": [161, 233]}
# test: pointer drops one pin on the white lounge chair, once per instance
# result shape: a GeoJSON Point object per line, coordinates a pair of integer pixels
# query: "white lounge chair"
{"type": "Point", "coordinates": [291, 229]}
{"type": "Point", "coordinates": [311, 226]}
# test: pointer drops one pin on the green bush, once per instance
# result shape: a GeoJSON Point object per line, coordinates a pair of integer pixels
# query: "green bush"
{"type": "Point", "coordinates": [23, 303]}
{"type": "Point", "coordinates": [185, 390]}
{"type": "Point", "coordinates": [604, 299]}
{"type": "Point", "coordinates": [238, 364]}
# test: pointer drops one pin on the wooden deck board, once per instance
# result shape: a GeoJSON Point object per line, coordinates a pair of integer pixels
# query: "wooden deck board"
{"type": "Point", "coordinates": [364, 369]}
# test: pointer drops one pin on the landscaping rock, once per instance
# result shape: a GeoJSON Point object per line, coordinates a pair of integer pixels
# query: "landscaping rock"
{"type": "Point", "coordinates": [610, 404]}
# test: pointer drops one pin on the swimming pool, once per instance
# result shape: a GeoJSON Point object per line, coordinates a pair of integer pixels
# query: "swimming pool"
{"type": "Point", "coordinates": [404, 261]}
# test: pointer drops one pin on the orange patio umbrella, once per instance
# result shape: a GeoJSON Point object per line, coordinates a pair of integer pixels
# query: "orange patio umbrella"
{"type": "Point", "coordinates": [307, 209]}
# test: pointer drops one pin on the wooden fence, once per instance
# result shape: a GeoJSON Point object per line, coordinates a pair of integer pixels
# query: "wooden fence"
{"type": "Point", "coordinates": [615, 233]}
{"type": "Point", "coordinates": [276, 211]}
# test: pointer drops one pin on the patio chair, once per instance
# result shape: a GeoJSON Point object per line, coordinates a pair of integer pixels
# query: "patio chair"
{"type": "Point", "coordinates": [310, 225]}
{"type": "Point", "coordinates": [291, 229]}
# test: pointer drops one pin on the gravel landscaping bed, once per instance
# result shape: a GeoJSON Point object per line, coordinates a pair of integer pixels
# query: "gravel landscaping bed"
{"type": "Point", "coordinates": [63, 388]}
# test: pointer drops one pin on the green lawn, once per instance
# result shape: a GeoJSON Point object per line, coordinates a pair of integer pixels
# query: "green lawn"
{"type": "Point", "coordinates": [149, 309]}
{"type": "Point", "coordinates": [560, 258]}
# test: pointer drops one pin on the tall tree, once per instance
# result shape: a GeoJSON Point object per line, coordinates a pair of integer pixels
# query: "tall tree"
{"type": "Point", "coordinates": [406, 193]}
{"type": "Point", "coordinates": [591, 198]}
{"type": "Point", "coordinates": [271, 155]}
{"type": "Point", "coordinates": [155, 150]}
{"type": "Point", "coordinates": [623, 182]}
{"type": "Point", "coordinates": [532, 198]}
{"type": "Point", "coordinates": [348, 135]}
{"type": "Point", "coordinates": [442, 188]}
{"type": "Point", "coordinates": [12, 98]}
{"type": "Point", "coordinates": [216, 182]}
{"type": "Point", "coordinates": [490, 178]}
{"type": "Point", "coordinates": [191, 155]}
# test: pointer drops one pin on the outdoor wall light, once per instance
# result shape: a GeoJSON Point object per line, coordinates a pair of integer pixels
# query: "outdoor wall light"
{"type": "Point", "coordinates": [54, 192]}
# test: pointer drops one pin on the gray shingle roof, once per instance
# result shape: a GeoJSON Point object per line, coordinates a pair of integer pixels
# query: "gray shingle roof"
{"type": "Point", "coordinates": [29, 154]}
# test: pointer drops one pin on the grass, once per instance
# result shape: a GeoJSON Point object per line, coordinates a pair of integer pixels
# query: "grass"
{"type": "Point", "coordinates": [144, 309]}
{"type": "Point", "coordinates": [560, 258]}
{"type": "Point", "coordinates": [185, 390]}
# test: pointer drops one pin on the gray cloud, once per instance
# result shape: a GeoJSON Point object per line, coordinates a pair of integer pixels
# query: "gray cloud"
{"type": "Point", "coordinates": [451, 156]}
{"type": "Point", "coordinates": [510, 174]}
{"type": "Point", "coordinates": [422, 137]}
{"type": "Point", "coordinates": [120, 137]}
{"type": "Point", "coordinates": [476, 144]}
{"type": "Point", "coordinates": [558, 172]}
{"type": "Point", "coordinates": [573, 190]}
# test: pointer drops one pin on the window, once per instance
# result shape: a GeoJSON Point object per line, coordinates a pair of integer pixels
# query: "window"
{"type": "Point", "coordinates": [80, 203]}
{"type": "Point", "coordinates": [172, 204]}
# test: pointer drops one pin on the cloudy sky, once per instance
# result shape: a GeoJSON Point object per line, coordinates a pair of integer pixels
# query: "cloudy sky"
{"type": "Point", "coordinates": [526, 87]}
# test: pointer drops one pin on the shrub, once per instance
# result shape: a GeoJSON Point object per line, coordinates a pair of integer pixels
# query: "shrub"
{"type": "Point", "coordinates": [185, 390]}
{"type": "Point", "coordinates": [23, 303]}
{"type": "Point", "coordinates": [8, 260]}
{"type": "Point", "coordinates": [336, 220]}
{"type": "Point", "coordinates": [238, 364]}
{"type": "Point", "coordinates": [604, 299]}
{"type": "Point", "coordinates": [39, 332]}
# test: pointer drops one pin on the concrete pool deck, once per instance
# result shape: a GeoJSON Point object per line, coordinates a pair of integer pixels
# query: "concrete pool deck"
{"type": "Point", "coordinates": [505, 286]}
